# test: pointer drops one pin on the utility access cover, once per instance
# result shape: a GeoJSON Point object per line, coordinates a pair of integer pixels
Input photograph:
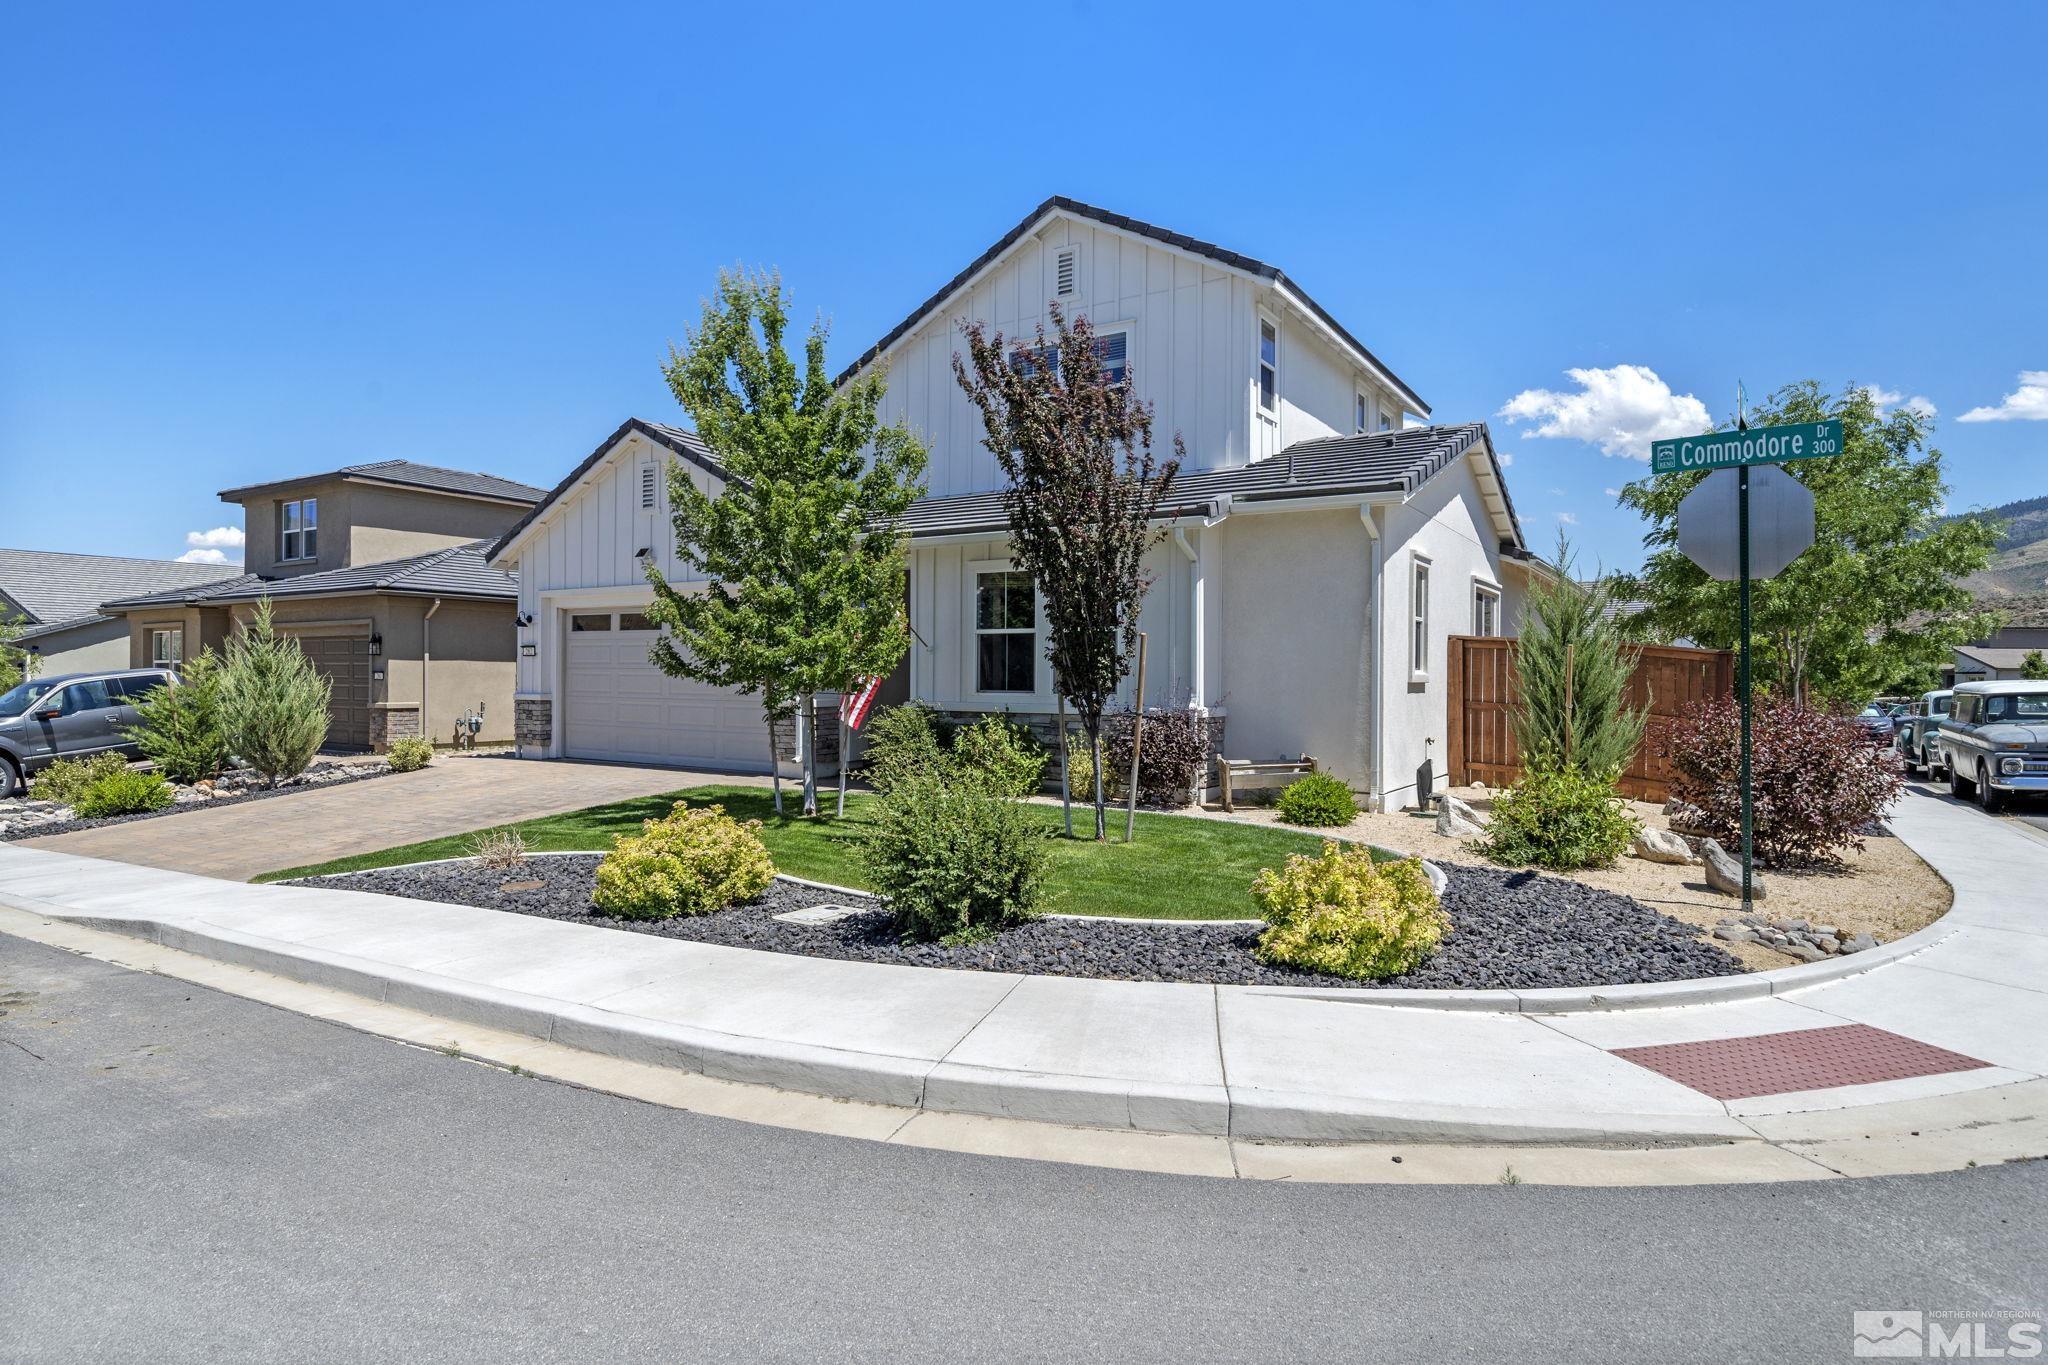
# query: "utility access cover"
{"type": "Point", "coordinates": [1780, 522]}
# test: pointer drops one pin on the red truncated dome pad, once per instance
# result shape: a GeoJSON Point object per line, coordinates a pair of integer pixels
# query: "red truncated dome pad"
{"type": "Point", "coordinates": [1809, 1059]}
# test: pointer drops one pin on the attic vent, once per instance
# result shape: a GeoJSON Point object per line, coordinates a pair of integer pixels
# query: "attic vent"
{"type": "Point", "coordinates": [647, 487]}
{"type": "Point", "coordinates": [1067, 272]}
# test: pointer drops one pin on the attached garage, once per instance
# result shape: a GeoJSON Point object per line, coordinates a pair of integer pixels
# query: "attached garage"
{"type": "Point", "coordinates": [344, 660]}
{"type": "Point", "coordinates": [619, 707]}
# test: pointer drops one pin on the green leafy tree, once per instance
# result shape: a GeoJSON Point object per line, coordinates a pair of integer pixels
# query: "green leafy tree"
{"type": "Point", "coordinates": [1878, 598]}
{"type": "Point", "coordinates": [1573, 670]}
{"type": "Point", "coordinates": [804, 561]}
{"type": "Point", "coordinates": [182, 729]}
{"type": "Point", "coordinates": [1083, 491]}
{"type": "Point", "coordinates": [273, 702]}
{"type": "Point", "coordinates": [15, 663]}
{"type": "Point", "coordinates": [2034, 666]}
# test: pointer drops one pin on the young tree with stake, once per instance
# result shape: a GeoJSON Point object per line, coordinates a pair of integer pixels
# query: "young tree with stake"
{"type": "Point", "coordinates": [1084, 490]}
{"type": "Point", "coordinates": [804, 562]}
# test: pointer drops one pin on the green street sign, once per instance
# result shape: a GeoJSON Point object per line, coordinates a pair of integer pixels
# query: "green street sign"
{"type": "Point", "coordinates": [1758, 445]}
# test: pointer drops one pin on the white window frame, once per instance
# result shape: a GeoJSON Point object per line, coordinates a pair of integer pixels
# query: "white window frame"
{"type": "Point", "coordinates": [1041, 680]}
{"type": "Point", "coordinates": [174, 636]}
{"type": "Point", "coordinates": [1486, 608]}
{"type": "Point", "coordinates": [1388, 417]}
{"type": "Point", "coordinates": [1362, 409]}
{"type": "Point", "coordinates": [301, 551]}
{"type": "Point", "coordinates": [1418, 619]}
{"type": "Point", "coordinates": [1259, 366]}
{"type": "Point", "coordinates": [1117, 329]}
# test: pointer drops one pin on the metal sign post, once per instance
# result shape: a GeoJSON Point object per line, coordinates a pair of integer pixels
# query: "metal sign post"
{"type": "Point", "coordinates": [1742, 677]}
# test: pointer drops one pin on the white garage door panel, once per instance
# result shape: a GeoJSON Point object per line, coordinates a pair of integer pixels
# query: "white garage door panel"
{"type": "Point", "coordinates": [619, 706]}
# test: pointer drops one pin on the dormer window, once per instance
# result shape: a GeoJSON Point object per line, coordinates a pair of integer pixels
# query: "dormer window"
{"type": "Point", "coordinates": [298, 530]}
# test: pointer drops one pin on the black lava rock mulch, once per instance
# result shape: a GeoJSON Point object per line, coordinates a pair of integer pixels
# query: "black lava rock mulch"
{"type": "Point", "coordinates": [253, 794]}
{"type": "Point", "coordinates": [1508, 930]}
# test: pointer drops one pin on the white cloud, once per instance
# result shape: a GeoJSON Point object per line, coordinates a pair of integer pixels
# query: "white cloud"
{"type": "Point", "coordinates": [2027, 403]}
{"type": "Point", "coordinates": [1612, 492]}
{"type": "Point", "coordinates": [221, 545]}
{"type": "Point", "coordinates": [1505, 458]}
{"type": "Point", "coordinates": [1621, 410]}
{"type": "Point", "coordinates": [1567, 519]}
{"type": "Point", "coordinates": [1887, 399]}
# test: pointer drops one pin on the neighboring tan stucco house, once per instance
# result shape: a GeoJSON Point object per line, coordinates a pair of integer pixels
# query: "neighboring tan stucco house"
{"type": "Point", "coordinates": [378, 571]}
{"type": "Point", "coordinates": [1323, 550]}
{"type": "Point", "coordinates": [56, 597]}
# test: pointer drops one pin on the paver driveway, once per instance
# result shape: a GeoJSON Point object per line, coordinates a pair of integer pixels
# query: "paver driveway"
{"type": "Point", "coordinates": [455, 795]}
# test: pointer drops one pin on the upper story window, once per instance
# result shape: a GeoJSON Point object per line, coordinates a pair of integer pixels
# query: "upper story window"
{"type": "Point", "coordinates": [1386, 419]}
{"type": "Point", "coordinates": [1485, 610]}
{"type": "Point", "coordinates": [298, 529]}
{"type": "Point", "coordinates": [1269, 366]}
{"type": "Point", "coordinates": [1418, 620]}
{"type": "Point", "coordinates": [1005, 632]}
{"type": "Point", "coordinates": [1361, 414]}
{"type": "Point", "coordinates": [1112, 349]}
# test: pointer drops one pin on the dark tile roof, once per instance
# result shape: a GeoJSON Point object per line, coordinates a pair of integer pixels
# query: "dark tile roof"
{"type": "Point", "coordinates": [1382, 462]}
{"type": "Point", "coordinates": [405, 474]}
{"type": "Point", "coordinates": [683, 443]}
{"type": "Point", "coordinates": [57, 588]}
{"type": "Point", "coordinates": [1166, 236]}
{"type": "Point", "coordinates": [457, 571]}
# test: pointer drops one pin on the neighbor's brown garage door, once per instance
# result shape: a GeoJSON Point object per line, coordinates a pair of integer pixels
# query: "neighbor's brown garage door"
{"type": "Point", "coordinates": [344, 660]}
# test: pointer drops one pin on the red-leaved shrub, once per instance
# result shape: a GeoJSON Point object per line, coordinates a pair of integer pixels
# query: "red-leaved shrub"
{"type": "Point", "coordinates": [1817, 781]}
{"type": "Point", "coordinates": [1170, 761]}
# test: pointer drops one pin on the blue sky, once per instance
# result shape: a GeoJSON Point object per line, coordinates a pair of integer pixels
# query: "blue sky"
{"type": "Point", "coordinates": [243, 243]}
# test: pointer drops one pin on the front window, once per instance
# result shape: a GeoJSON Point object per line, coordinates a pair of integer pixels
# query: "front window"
{"type": "Point", "coordinates": [20, 697]}
{"type": "Point", "coordinates": [1418, 613]}
{"type": "Point", "coordinates": [298, 523]}
{"type": "Point", "coordinates": [1269, 366]}
{"type": "Point", "coordinates": [1485, 611]}
{"type": "Point", "coordinates": [1005, 632]}
{"type": "Point", "coordinates": [167, 647]}
{"type": "Point", "coordinates": [2011, 707]}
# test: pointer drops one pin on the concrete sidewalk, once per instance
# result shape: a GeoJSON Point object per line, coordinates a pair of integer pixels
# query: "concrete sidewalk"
{"type": "Point", "coordinates": [1247, 1062]}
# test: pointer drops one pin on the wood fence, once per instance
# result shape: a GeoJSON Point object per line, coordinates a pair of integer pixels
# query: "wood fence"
{"type": "Point", "coordinates": [1482, 698]}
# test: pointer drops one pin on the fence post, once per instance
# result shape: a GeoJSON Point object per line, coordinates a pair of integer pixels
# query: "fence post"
{"type": "Point", "coordinates": [1454, 702]}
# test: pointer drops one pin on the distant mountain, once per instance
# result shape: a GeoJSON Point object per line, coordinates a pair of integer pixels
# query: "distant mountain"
{"type": "Point", "coordinates": [2016, 579]}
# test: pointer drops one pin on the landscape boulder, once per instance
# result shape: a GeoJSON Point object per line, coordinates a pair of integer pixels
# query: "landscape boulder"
{"type": "Point", "coordinates": [1724, 871]}
{"type": "Point", "coordinates": [1661, 846]}
{"type": "Point", "coordinates": [1457, 820]}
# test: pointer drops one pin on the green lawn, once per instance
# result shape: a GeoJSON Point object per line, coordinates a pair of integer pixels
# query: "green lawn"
{"type": "Point", "coordinates": [1179, 868]}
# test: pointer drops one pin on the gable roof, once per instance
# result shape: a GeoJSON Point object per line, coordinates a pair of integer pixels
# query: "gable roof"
{"type": "Point", "coordinates": [455, 571]}
{"type": "Point", "coordinates": [57, 589]}
{"type": "Point", "coordinates": [1386, 462]}
{"type": "Point", "coordinates": [683, 443]}
{"type": "Point", "coordinates": [405, 474]}
{"type": "Point", "coordinates": [1165, 236]}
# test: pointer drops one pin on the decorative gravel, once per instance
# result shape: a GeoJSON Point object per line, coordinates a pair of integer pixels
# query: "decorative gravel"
{"type": "Point", "coordinates": [1517, 930]}
{"type": "Point", "coordinates": [32, 830]}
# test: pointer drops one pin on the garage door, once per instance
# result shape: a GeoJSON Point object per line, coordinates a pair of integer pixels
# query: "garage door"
{"type": "Point", "coordinates": [617, 705]}
{"type": "Point", "coordinates": [344, 660]}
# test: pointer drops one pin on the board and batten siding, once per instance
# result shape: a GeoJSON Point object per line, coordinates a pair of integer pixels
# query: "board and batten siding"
{"type": "Point", "coordinates": [587, 546]}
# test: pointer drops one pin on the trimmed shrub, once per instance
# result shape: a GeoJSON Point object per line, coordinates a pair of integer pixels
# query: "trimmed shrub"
{"type": "Point", "coordinates": [690, 862]}
{"type": "Point", "coordinates": [1562, 818]}
{"type": "Point", "coordinates": [1005, 753]}
{"type": "Point", "coordinates": [126, 792]}
{"type": "Point", "coordinates": [957, 860]}
{"type": "Point", "coordinates": [273, 701]}
{"type": "Point", "coordinates": [66, 780]}
{"type": "Point", "coordinates": [1169, 763]}
{"type": "Point", "coordinates": [409, 755]}
{"type": "Point", "coordinates": [1318, 799]}
{"type": "Point", "coordinates": [1817, 782]}
{"type": "Point", "coordinates": [1080, 769]}
{"type": "Point", "coordinates": [1346, 915]}
{"type": "Point", "coordinates": [180, 728]}
{"type": "Point", "coordinates": [901, 741]}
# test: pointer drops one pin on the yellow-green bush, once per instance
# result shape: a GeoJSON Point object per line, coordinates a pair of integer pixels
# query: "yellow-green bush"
{"type": "Point", "coordinates": [126, 792]}
{"type": "Point", "coordinates": [409, 755]}
{"type": "Point", "coordinates": [66, 780]}
{"type": "Point", "coordinates": [691, 862]}
{"type": "Point", "coordinates": [1346, 915]}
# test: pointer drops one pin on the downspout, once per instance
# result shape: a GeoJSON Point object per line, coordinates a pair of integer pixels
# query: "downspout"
{"type": "Point", "coordinates": [1375, 704]}
{"type": "Point", "coordinates": [427, 671]}
{"type": "Point", "coordinates": [1198, 635]}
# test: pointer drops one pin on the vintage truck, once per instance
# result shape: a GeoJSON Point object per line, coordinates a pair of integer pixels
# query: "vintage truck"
{"type": "Point", "coordinates": [1994, 743]}
{"type": "Point", "coordinates": [1915, 734]}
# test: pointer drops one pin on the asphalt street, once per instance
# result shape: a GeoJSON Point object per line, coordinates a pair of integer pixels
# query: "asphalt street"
{"type": "Point", "coordinates": [193, 1176]}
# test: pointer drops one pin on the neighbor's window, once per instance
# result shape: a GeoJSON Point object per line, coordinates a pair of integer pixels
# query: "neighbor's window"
{"type": "Point", "coordinates": [167, 647]}
{"type": "Point", "coordinates": [594, 621]}
{"type": "Point", "coordinates": [1418, 614]}
{"type": "Point", "coordinates": [1485, 610]}
{"type": "Point", "coordinates": [298, 524]}
{"type": "Point", "coordinates": [1269, 366]}
{"type": "Point", "coordinates": [1005, 632]}
{"type": "Point", "coordinates": [1361, 414]}
{"type": "Point", "coordinates": [1386, 419]}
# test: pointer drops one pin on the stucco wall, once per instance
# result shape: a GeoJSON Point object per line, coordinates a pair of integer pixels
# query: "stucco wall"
{"type": "Point", "coordinates": [391, 523]}
{"type": "Point", "coordinates": [260, 531]}
{"type": "Point", "coordinates": [103, 644]}
{"type": "Point", "coordinates": [1295, 652]}
{"type": "Point", "coordinates": [473, 661]}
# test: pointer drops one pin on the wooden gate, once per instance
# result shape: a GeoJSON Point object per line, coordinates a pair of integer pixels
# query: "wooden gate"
{"type": "Point", "coordinates": [1482, 698]}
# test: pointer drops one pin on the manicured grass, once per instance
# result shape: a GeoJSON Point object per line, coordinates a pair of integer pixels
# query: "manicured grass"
{"type": "Point", "coordinates": [1179, 868]}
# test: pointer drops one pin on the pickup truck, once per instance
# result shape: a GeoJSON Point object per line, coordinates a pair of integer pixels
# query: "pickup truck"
{"type": "Point", "coordinates": [1994, 743]}
{"type": "Point", "coordinates": [1915, 733]}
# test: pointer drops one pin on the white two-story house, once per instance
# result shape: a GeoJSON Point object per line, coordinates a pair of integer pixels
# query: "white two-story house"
{"type": "Point", "coordinates": [1324, 543]}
